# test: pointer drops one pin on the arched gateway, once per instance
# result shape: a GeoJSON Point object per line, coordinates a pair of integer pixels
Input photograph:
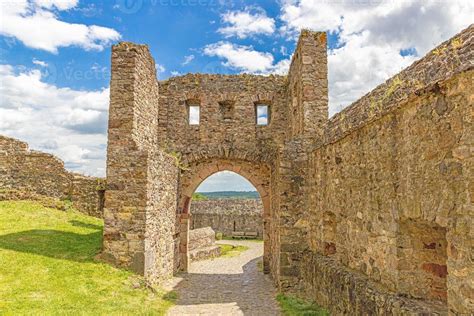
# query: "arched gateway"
{"type": "Point", "coordinates": [165, 137]}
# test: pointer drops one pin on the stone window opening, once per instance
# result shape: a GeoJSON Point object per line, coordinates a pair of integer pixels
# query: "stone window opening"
{"type": "Point", "coordinates": [227, 110]}
{"type": "Point", "coordinates": [262, 114]}
{"type": "Point", "coordinates": [194, 112]}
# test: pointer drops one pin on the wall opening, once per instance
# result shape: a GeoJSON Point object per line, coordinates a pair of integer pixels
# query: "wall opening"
{"type": "Point", "coordinates": [227, 110]}
{"type": "Point", "coordinates": [262, 114]}
{"type": "Point", "coordinates": [194, 113]}
{"type": "Point", "coordinates": [229, 204]}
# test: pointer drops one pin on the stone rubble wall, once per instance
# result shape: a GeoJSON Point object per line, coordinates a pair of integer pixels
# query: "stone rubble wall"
{"type": "Point", "coordinates": [391, 192]}
{"type": "Point", "coordinates": [307, 100]}
{"type": "Point", "coordinates": [349, 292]}
{"type": "Point", "coordinates": [140, 204]}
{"type": "Point", "coordinates": [201, 237]}
{"type": "Point", "coordinates": [228, 215]}
{"type": "Point", "coordinates": [202, 244]}
{"type": "Point", "coordinates": [37, 174]}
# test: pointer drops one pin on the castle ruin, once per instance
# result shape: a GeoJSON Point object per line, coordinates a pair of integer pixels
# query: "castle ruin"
{"type": "Point", "coordinates": [368, 212]}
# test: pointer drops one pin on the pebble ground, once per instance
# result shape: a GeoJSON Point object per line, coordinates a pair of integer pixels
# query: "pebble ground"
{"type": "Point", "coordinates": [226, 286]}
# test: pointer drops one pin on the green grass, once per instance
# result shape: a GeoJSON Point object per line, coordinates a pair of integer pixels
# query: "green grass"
{"type": "Point", "coordinates": [232, 250]}
{"type": "Point", "coordinates": [47, 267]}
{"type": "Point", "coordinates": [292, 306]}
{"type": "Point", "coordinates": [232, 238]}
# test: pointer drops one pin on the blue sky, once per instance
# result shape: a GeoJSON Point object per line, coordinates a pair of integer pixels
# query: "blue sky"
{"type": "Point", "coordinates": [55, 54]}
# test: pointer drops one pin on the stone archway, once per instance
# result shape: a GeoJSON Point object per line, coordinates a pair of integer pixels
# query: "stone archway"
{"type": "Point", "coordinates": [152, 136]}
{"type": "Point", "coordinates": [258, 174]}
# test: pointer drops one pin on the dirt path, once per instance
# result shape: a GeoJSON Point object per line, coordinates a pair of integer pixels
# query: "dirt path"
{"type": "Point", "coordinates": [227, 286]}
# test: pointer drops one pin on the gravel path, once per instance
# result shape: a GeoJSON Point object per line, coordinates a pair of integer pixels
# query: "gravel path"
{"type": "Point", "coordinates": [226, 286]}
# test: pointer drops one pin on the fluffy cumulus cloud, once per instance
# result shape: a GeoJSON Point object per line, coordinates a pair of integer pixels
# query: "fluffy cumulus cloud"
{"type": "Point", "coordinates": [245, 58]}
{"type": "Point", "coordinates": [372, 35]}
{"type": "Point", "coordinates": [242, 24]}
{"type": "Point", "coordinates": [36, 25]}
{"type": "Point", "coordinates": [69, 123]}
{"type": "Point", "coordinates": [228, 180]}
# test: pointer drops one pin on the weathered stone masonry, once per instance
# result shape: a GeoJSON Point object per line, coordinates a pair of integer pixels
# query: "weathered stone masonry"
{"type": "Point", "coordinates": [228, 215]}
{"type": "Point", "coordinates": [29, 174]}
{"type": "Point", "coordinates": [369, 212]}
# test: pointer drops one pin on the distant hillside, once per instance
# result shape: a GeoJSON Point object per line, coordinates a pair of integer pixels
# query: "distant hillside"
{"type": "Point", "coordinates": [231, 195]}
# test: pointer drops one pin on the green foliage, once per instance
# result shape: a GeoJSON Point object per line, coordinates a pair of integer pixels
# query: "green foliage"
{"type": "Point", "coordinates": [48, 267]}
{"type": "Point", "coordinates": [101, 185]}
{"type": "Point", "coordinates": [292, 306]}
{"type": "Point", "coordinates": [219, 236]}
{"type": "Point", "coordinates": [178, 162]}
{"type": "Point", "coordinates": [199, 197]}
{"type": "Point", "coordinates": [232, 250]}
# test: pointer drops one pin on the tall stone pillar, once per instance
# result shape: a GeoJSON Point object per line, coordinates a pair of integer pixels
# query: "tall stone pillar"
{"type": "Point", "coordinates": [308, 111]}
{"type": "Point", "coordinates": [308, 85]}
{"type": "Point", "coordinates": [141, 180]}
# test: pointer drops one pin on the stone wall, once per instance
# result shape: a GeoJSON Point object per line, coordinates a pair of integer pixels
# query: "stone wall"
{"type": "Point", "coordinates": [228, 215]}
{"type": "Point", "coordinates": [391, 187]}
{"type": "Point", "coordinates": [141, 195]}
{"type": "Point", "coordinates": [35, 174]}
{"type": "Point", "coordinates": [308, 107]}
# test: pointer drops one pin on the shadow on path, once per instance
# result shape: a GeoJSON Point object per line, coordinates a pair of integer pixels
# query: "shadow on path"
{"type": "Point", "coordinates": [212, 293]}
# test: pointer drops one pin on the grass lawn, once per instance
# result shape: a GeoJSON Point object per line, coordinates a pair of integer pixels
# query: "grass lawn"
{"type": "Point", "coordinates": [47, 267]}
{"type": "Point", "coordinates": [292, 306]}
{"type": "Point", "coordinates": [231, 250]}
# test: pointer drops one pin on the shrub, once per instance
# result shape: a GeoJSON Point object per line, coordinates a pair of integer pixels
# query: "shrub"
{"type": "Point", "coordinates": [199, 197]}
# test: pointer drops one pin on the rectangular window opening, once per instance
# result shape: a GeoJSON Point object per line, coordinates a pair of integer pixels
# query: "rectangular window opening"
{"type": "Point", "coordinates": [194, 113]}
{"type": "Point", "coordinates": [263, 114]}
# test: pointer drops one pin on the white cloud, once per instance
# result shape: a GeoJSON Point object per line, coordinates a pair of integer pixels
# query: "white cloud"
{"type": "Point", "coordinates": [68, 123]}
{"type": "Point", "coordinates": [175, 73]}
{"type": "Point", "coordinates": [59, 4]}
{"type": "Point", "coordinates": [39, 62]}
{"type": "Point", "coordinates": [225, 181]}
{"type": "Point", "coordinates": [36, 25]}
{"type": "Point", "coordinates": [246, 59]}
{"type": "Point", "coordinates": [262, 115]}
{"type": "Point", "coordinates": [281, 67]}
{"type": "Point", "coordinates": [245, 23]}
{"type": "Point", "coordinates": [187, 59]}
{"type": "Point", "coordinates": [160, 69]}
{"type": "Point", "coordinates": [372, 34]}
